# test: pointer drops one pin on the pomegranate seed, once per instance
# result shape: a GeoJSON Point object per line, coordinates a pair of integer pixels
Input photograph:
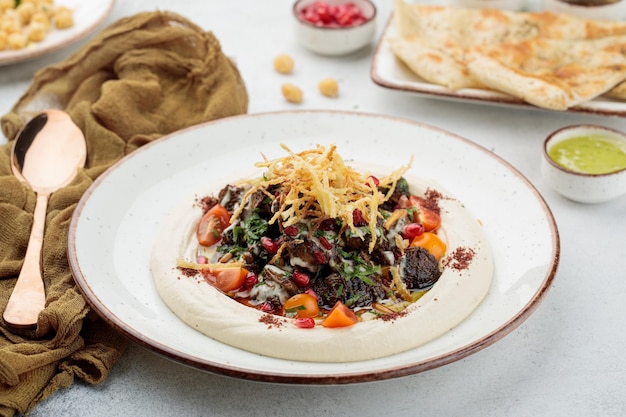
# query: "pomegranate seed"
{"type": "Point", "coordinates": [251, 280]}
{"type": "Point", "coordinates": [319, 257]}
{"type": "Point", "coordinates": [328, 225]}
{"type": "Point", "coordinates": [357, 218]}
{"type": "Point", "coordinates": [266, 307]}
{"type": "Point", "coordinates": [344, 20]}
{"type": "Point", "coordinates": [269, 245]}
{"type": "Point", "coordinates": [321, 13]}
{"type": "Point", "coordinates": [304, 322]}
{"type": "Point", "coordinates": [202, 260]}
{"type": "Point", "coordinates": [313, 293]}
{"type": "Point", "coordinates": [291, 231]}
{"type": "Point", "coordinates": [412, 230]}
{"type": "Point", "coordinates": [301, 279]}
{"type": "Point", "coordinates": [375, 180]}
{"type": "Point", "coordinates": [325, 243]}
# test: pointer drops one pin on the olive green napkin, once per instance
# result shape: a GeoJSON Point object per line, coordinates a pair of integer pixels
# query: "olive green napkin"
{"type": "Point", "coordinates": [142, 77]}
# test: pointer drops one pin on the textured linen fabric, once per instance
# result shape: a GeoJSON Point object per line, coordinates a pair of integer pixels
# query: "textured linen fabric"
{"type": "Point", "coordinates": [142, 77]}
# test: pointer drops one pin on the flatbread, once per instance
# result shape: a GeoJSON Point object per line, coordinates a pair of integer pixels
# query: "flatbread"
{"type": "Point", "coordinates": [549, 73]}
{"type": "Point", "coordinates": [200, 305]}
{"type": "Point", "coordinates": [491, 49]}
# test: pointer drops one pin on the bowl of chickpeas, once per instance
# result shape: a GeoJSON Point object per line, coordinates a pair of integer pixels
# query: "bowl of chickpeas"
{"type": "Point", "coordinates": [30, 22]}
{"type": "Point", "coordinates": [334, 27]}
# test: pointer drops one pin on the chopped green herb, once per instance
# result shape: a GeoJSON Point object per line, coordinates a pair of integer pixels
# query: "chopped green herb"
{"type": "Point", "coordinates": [293, 311]}
{"type": "Point", "coordinates": [255, 227]}
{"type": "Point", "coordinates": [403, 186]}
{"type": "Point", "coordinates": [360, 269]}
{"type": "Point", "coordinates": [352, 300]}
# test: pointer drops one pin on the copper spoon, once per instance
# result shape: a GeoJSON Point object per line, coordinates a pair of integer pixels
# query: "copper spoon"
{"type": "Point", "coordinates": [47, 154]}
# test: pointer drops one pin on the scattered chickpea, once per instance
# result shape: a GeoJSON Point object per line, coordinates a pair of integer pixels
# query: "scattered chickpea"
{"type": "Point", "coordinates": [329, 87]}
{"type": "Point", "coordinates": [283, 63]}
{"type": "Point", "coordinates": [292, 93]}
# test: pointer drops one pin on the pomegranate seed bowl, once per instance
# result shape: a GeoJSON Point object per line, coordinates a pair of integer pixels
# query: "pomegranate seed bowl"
{"type": "Point", "coordinates": [334, 27]}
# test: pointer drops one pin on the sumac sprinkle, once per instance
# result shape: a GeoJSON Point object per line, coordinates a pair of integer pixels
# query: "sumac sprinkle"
{"type": "Point", "coordinates": [392, 316]}
{"type": "Point", "coordinates": [207, 203]}
{"type": "Point", "coordinates": [460, 258]}
{"type": "Point", "coordinates": [271, 320]}
{"type": "Point", "coordinates": [188, 272]}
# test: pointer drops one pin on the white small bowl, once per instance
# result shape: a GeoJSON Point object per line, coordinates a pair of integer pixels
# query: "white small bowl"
{"type": "Point", "coordinates": [509, 5]}
{"type": "Point", "coordinates": [327, 40]}
{"type": "Point", "coordinates": [583, 187]}
{"type": "Point", "coordinates": [608, 11]}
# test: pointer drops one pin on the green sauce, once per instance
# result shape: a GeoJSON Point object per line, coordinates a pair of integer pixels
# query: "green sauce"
{"type": "Point", "coordinates": [594, 154]}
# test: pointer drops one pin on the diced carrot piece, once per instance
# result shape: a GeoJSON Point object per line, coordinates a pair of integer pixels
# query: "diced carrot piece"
{"type": "Point", "coordinates": [340, 316]}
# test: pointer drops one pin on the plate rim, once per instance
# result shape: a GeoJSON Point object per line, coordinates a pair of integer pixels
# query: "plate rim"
{"type": "Point", "coordinates": [472, 95]}
{"type": "Point", "coordinates": [323, 378]}
{"type": "Point", "coordinates": [26, 54]}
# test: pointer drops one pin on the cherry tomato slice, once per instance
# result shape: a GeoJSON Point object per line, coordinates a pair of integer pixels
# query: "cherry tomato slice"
{"type": "Point", "coordinates": [340, 316]}
{"type": "Point", "coordinates": [302, 305]}
{"type": "Point", "coordinates": [212, 224]}
{"type": "Point", "coordinates": [432, 243]}
{"type": "Point", "coordinates": [229, 279]}
{"type": "Point", "coordinates": [427, 217]}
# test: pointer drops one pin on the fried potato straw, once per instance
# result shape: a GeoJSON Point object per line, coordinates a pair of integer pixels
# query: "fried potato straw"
{"type": "Point", "coordinates": [318, 184]}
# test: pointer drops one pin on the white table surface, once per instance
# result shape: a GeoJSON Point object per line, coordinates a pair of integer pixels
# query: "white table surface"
{"type": "Point", "coordinates": [567, 359]}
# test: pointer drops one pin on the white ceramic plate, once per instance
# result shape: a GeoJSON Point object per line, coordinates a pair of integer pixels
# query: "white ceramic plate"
{"type": "Point", "coordinates": [389, 72]}
{"type": "Point", "coordinates": [88, 15]}
{"type": "Point", "coordinates": [115, 223]}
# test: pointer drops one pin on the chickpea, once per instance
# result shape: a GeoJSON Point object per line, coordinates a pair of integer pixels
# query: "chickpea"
{"type": "Point", "coordinates": [17, 40]}
{"type": "Point", "coordinates": [10, 26]}
{"type": "Point", "coordinates": [42, 19]}
{"type": "Point", "coordinates": [25, 12]}
{"type": "Point", "coordinates": [3, 40]}
{"type": "Point", "coordinates": [329, 87]}
{"type": "Point", "coordinates": [63, 19]}
{"type": "Point", "coordinates": [292, 93]}
{"type": "Point", "coordinates": [37, 32]}
{"type": "Point", "coordinates": [6, 4]}
{"type": "Point", "coordinates": [283, 63]}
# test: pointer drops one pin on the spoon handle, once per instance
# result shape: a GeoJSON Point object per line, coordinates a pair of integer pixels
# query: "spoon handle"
{"type": "Point", "coordinates": [28, 297]}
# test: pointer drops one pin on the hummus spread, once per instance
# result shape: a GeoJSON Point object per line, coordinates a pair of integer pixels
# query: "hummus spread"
{"type": "Point", "coordinates": [463, 284]}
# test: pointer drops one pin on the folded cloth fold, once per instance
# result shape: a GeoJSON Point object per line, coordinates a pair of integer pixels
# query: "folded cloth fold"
{"type": "Point", "coordinates": [142, 77]}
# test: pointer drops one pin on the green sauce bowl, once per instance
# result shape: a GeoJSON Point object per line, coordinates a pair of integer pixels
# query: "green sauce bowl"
{"type": "Point", "coordinates": [586, 163]}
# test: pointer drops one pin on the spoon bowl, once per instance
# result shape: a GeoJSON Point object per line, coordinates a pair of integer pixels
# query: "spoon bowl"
{"type": "Point", "coordinates": [46, 155]}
